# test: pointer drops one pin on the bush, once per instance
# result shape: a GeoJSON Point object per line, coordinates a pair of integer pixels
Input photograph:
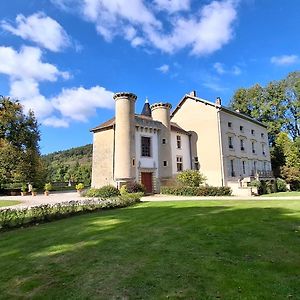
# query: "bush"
{"type": "Point", "coordinates": [48, 186]}
{"type": "Point", "coordinates": [79, 186]}
{"type": "Point", "coordinates": [12, 218]}
{"type": "Point", "coordinates": [191, 178]}
{"type": "Point", "coordinates": [24, 187]}
{"type": "Point", "coordinates": [106, 191]}
{"type": "Point", "coordinates": [281, 185]}
{"type": "Point", "coordinates": [196, 191]}
{"type": "Point", "coordinates": [132, 187]}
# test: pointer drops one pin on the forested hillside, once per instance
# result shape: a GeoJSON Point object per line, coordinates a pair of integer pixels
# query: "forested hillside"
{"type": "Point", "coordinates": [73, 165]}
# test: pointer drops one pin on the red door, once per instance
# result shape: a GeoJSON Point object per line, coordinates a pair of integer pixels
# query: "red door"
{"type": "Point", "coordinates": [147, 182]}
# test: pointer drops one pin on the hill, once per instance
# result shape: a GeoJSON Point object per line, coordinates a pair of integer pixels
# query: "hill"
{"type": "Point", "coordinates": [73, 165]}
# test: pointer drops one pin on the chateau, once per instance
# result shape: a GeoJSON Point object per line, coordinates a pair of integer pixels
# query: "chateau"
{"type": "Point", "coordinates": [229, 148]}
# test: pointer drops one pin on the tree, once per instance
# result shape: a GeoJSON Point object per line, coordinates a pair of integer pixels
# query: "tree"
{"type": "Point", "coordinates": [19, 151]}
{"type": "Point", "coordinates": [191, 178]}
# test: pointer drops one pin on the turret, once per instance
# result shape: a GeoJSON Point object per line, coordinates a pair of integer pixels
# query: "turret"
{"type": "Point", "coordinates": [161, 112]}
{"type": "Point", "coordinates": [124, 137]}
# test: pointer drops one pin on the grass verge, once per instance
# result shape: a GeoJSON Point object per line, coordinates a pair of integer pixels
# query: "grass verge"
{"type": "Point", "coordinates": [282, 194]}
{"type": "Point", "coordinates": [4, 203]}
{"type": "Point", "coordinates": [157, 250]}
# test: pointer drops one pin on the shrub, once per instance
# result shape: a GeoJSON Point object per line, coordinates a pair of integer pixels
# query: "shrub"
{"type": "Point", "coordinates": [133, 187]}
{"type": "Point", "coordinates": [79, 186]}
{"type": "Point", "coordinates": [196, 191]}
{"type": "Point", "coordinates": [11, 218]}
{"type": "Point", "coordinates": [191, 178]}
{"type": "Point", "coordinates": [281, 185]}
{"type": "Point", "coordinates": [255, 183]}
{"type": "Point", "coordinates": [24, 188]}
{"type": "Point", "coordinates": [106, 191]}
{"type": "Point", "coordinates": [48, 186]}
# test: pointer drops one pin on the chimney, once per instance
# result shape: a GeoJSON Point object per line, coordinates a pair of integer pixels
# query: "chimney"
{"type": "Point", "coordinates": [219, 101]}
{"type": "Point", "coordinates": [192, 93]}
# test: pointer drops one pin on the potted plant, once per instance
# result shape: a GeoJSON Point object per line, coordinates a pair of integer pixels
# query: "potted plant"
{"type": "Point", "coordinates": [47, 188]}
{"type": "Point", "coordinates": [33, 191]}
{"type": "Point", "coordinates": [79, 187]}
{"type": "Point", "coordinates": [23, 189]}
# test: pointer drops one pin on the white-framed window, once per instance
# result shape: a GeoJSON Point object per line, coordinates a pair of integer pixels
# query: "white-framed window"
{"type": "Point", "coordinates": [179, 163]}
{"type": "Point", "coordinates": [242, 144]}
{"type": "Point", "coordinates": [178, 140]}
{"type": "Point", "coordinates": [230, 143]}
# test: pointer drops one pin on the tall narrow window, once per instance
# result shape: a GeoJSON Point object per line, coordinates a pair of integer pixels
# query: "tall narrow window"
{"type": "Point", "coordinates": [178, 137]}
{"type": "Point", "coordinates": [146, 146]}
{"type": "Point", "coordinates": [232, 168]}
{"type": "Point", "coordinates": [242, 145]}
{"type": "Point", "coordinates": [263, 149]}
{"type": "Point", "coordinates": [253, 147]}
{"type": "Point", "coordinates": [179, 163]}
{"type": "Point", "coordinates": [196, 165]}
{"type": "Point", "coordinates": [244, 167]}
{"type": "Point", "coordinates": [229, 124]}
{"type": "Point", "coordinates": [163, 141]}
{"type": "Point", "coordinates": [230, 145]}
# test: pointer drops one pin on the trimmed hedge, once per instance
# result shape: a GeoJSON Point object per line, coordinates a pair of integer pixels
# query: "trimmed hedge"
{"type": "Point", "coordinates": [106, 191]}
{"type": "Point", "coordinates": [14, 217]}
{"type": "Point", "coordinates": [196, 191]}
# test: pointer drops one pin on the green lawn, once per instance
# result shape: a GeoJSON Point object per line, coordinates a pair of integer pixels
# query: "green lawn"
{"type": "Point", "coordinates": [282, 194]}
{"type": "Point", "coordinates": [8, 202]}
{"type": "Point", "coordinates": [161, 250]}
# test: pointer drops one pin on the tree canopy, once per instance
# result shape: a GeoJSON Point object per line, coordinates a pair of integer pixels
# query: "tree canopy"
{"type": "Point", "coordinates": [19, 150]}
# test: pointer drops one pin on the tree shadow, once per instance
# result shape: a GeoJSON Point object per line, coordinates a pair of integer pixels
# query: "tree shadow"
{"type": "Point", "coordinates": [153, 251]}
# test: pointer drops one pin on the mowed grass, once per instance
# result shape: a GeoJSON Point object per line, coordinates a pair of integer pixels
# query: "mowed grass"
{"type": "Point", "coordinates": [283, 194]}
{"type": "Point", "coordinates": [161, 250]}
{"type": "Point", "coordinates": [8, 202]}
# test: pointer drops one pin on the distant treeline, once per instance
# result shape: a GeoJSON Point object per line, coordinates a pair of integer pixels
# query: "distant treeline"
{"type": "Point", "coordinates": [74, 165]}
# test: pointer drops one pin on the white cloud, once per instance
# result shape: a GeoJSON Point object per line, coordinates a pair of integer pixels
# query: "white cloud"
{"type": "Point", "coordinates": [172, 6]}
{"type": "Point", "coordinates": [41, 29]}
{"type": "Point", "coordinates": [215, 86]}
{"type": "Point", "coordinates": [203, 31]}
{"type": "Point", "coordinates": [164, 68]}
{"type": "Point", "coordinates": [219, 68]}
{"type": "Point", "coordinates": [56, 122]}
{"type": "Point", "coordinates": [285, 60]}
{"type": "Point", "coordinates": [79, 103]}
{"type": "Point", "coordinates": [26, 70]}
{"type": "Point", "coordinates": [27, 63]}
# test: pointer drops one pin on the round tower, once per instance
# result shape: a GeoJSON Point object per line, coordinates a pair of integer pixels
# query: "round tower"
{"type": "Point", "coordinates": [161, 112]}
{"type": "Point", "coordinates": [124, 169]}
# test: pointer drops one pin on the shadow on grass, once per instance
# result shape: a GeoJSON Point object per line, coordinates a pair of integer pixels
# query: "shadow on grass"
{"type": "Point", "coordinates": [153, 251]}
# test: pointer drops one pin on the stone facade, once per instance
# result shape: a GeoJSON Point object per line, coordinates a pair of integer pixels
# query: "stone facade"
{"type": "Point", "coordinates": [229, 148]}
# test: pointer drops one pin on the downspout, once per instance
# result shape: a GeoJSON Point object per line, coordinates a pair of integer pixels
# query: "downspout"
{"type": "Point", "coordinates": [190, 143]}
{"type": "Point", "coordinates": [114, 147]}
{"type": "Point", "coordinates": [221, 148]}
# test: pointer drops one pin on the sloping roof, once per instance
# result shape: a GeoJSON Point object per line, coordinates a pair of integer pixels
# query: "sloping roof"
{"type": "Point", "coordinates": [109, 124]}
{"type": "Point", "coordinates": [217, 106]}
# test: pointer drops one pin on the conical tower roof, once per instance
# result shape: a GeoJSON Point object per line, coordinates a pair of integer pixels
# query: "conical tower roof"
{"type": "Point", "coordinates": [146, 109]}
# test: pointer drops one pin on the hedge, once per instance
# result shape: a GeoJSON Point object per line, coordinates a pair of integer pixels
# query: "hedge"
{"type": "Point", "coordinates": [106, 191]}
{"type": "Point", "coordinates": [14, 217]}
{"type": "Point", "coordinates": [196, 191]}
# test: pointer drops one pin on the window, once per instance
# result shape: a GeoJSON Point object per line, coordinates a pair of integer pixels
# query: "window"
{"type": "Point", "coordinates": [262, 135]}
{"type": "Point", "coordinates": [229, 124]}
{"type": "Point", "coordinates": [242, 128]}
{"type": "Point", "coordinates": [230, 145]}
{"type": "Point", "coordinates": [165, 163]}
{"type": "Point", "coordinates": [146, 146]}
{"type": "Point", "coordinates": [232, 168]}
{"type": "Point", "coordinates": [178, 137]}
{"type": "Point", "coordinates": [253, 147]}
{"type": "Point", "coordinates": [244, 167]}
{"type": "Point", "coordinates": [163, 141]}
{"type": "Point", "coordinates": [179, 163]}
{"type": "Point", "coordinates": [242, 145]}
{"type": "Point", "coordinates": [196, 164]}
{"type": "Point", "coordinates": [133, 162]}
{"type": "Point", "coordinates": [263, 149]}
{"type": "Point", "coordinates": [252, 131]}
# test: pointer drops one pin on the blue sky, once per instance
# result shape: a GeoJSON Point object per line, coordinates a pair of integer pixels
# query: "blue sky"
{"type": "Point", "coordinates": [66, 58]}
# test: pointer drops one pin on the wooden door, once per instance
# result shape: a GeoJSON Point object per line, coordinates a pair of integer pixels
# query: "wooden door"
{"type": "Point", "coordinates": [147, 182]}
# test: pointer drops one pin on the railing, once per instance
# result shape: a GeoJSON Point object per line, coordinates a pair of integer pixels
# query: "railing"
{"type": "Point", "coordinates": [262, 174]}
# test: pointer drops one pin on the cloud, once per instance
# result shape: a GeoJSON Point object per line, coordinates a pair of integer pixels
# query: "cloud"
{"type": "Point", "coordinates": [215, 86]}
{"type": "Point", "coordinates": [203, 31]}
{"type": "Point", "coordinates": [41, 29]}
{"type": "Point", "coordinates": [26, 69]}
{"type": "Point", "coordinates": [172, 6]}
{"type": "Point", "coordinates": [163, 69]}
{"type": "Point", "coordinates": [221, 69]}
{"type": "Point", "coordinates": [285, 60]}
{"type": "Point", "coordinates": [79, 103]}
